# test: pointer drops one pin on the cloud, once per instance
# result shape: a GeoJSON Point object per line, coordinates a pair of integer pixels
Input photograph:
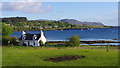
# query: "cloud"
{"type": "Point", "coordinates": [107, 19]}
{"type": "Point", "coordinates": [29, 6]}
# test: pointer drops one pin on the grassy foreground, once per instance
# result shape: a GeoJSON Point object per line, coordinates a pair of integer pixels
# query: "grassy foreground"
{"type": "Point", "coordinates": [33, 56]}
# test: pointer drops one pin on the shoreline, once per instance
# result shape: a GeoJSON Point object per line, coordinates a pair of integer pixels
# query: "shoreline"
{"type": "Point", "coordinates": [85, 42]}
{"type": "Point", "coordinates": [88, 42]}
{"type": "Point", "coordinates": [66, 29]}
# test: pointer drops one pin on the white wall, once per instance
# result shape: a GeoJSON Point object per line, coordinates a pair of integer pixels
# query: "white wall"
{"type": "Point", "coordinates": [31, 42]}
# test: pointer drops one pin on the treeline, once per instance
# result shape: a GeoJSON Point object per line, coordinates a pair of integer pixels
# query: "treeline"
{"type": "Point", "coordinates": [21, 23]}
{"type": "Point", "coordinates": [12, 20]}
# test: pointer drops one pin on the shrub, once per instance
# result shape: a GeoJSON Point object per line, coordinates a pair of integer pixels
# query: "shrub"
{"type": "Point", "coordinates": [41, 42]}
{"type": "Point", "coordinates": [5, 40]}
{"type": "Point", "coordinates": [51, 44]}
{"type": "Point", "coordinates": [107, 47]}
{"type": "Point", "coordinates": [13, 40]}
{"type": "Point", "coordinates": [24, 44]}
{"type": "Point", "coordinates": [6, 30]}
{"type": "Point", "coordinates": [73, 41]}
{"type": "Point", "coordinates": [8, 40]}
{"type": "Point", "coordinates": [19, 44]}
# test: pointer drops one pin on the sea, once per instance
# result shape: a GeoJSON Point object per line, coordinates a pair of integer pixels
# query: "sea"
{"type": "Point", "coordinates": [96, 34]}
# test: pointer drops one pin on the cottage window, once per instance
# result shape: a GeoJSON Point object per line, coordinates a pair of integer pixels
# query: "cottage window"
{"type": "Point", "coordinates": [34, 37]}
{"type": "Point", "coordinates": [24, 37]}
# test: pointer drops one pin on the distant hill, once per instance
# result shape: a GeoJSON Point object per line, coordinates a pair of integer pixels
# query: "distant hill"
{"type": "Point", "coordinates": [22, 23]}
{"type": "Point", "coordinates": [44, 20]}
{"type": "Point", "coordinates": [73, 21]}
{"type": "Point", "coordinates": [14, 19]}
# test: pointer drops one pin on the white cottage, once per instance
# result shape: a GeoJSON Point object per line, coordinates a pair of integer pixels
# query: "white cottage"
{"type": "Point", "coordinates": [32, 39]}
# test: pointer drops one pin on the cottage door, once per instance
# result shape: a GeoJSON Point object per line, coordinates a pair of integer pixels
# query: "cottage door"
{"type": "Point", "coordinates": [28, 43]}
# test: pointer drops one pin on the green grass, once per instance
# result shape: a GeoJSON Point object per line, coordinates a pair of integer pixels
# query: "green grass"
{"type": "Point", "coordinates": [33, 56]}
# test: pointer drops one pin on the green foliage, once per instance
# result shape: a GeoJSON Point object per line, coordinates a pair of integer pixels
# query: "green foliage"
{"type": "Point", "coordinates": [6, 40]}
{"type": "Point", "coordinates": [73, 41]}
{"type": "Point", "coordinates": [75, 26]}
{"type": "Point", "coordinates": [19, 43]}
{"type": "Point", "coordinates": [107, 47]}
{"type": "Point", "coordinates": [41, 43]}
{"type": "Point", "coordinates": [6, 30]}
{"type": "Point", "coordinates": [13, 40]}
{"type": "Point", "coordinates": [21, 23]}
{"type": "Point", "coordinates": [14, 19]}
{"type": "Point", "coordinates": [24, 44]}
{"type": "Point", "coordinates": [51, 44]}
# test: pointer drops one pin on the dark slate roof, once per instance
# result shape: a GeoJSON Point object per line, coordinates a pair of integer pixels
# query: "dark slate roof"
{"type": "Point", "coordinates": [30, 36]}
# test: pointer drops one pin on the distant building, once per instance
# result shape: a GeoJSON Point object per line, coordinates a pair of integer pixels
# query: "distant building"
{"type": "Point", "coordinates": [55, 26]}
{"type": "Point", "coordinates": [8, 24]}
{"type": "Point", "coordinates": [41, 27]}
{"type": "Point", "coordinates": [12, 25]}
{"type": "Point", "coordinates": [50, 26]}
{"type": "Point", "coordinates": [32, 39]}
{"type": "Point", "coordinates": [45, 27]}
{"type": "Point", "coordinates": [27, 26]}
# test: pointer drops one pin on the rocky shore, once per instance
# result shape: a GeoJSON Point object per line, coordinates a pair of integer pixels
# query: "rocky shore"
{"type": "Point", "coordinates": [84, 42]}
{"type": "Point", "coordinates": [88, 42]}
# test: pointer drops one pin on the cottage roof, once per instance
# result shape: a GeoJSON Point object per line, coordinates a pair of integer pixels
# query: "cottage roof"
{"type": "Point", "coordinates": [30, 37]}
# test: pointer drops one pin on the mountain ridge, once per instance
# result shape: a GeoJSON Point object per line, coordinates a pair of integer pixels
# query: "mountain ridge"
{"type": "Point", "coordinates": [74, 21]}
{"type": "Point", "coordinates": [70, 21]}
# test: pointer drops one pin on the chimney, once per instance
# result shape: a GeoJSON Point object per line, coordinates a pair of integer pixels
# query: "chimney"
{"type": "Point", "coordinates": [41, 32]}
{"type": "Point", "coordinates": [23, 33]}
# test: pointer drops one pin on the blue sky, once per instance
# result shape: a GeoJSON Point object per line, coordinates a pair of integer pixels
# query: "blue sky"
{"type": "Point", "coordinates": [104, 12]}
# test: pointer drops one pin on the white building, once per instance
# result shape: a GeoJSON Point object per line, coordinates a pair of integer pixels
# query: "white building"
{"type": "Point", "coordinates": [32, 39]}
{"type": "Point", "coordinates": [55, 26]}
{"type": "Point", "coordinates": [27, 26]}
{"type": "Point", "coordinates": [8, 24]}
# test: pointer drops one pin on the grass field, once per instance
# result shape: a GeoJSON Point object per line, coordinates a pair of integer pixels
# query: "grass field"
{"type": "Point", "coordinates": [33, 56]}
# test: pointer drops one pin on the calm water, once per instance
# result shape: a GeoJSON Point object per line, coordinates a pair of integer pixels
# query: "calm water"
{"type": "Point", "coordinates": [95, 34]}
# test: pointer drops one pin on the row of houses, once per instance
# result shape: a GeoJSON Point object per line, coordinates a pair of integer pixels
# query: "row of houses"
{"type": "Point", "coordinates": [27, 26]}
{"type": "Point", "coordinates": [44, 26]}
{"type": "Point", "coordinates": [50, 26]}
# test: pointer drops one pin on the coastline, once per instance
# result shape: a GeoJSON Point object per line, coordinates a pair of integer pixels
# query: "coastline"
{"type": "Point", "coordinates": [69, 29]}
{"type": "Point", "coordinates": [88, 42]}
{"type": "Point", "coordinates": [85, 42]}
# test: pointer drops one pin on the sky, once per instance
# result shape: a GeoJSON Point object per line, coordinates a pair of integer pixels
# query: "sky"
{"type": "Point", "coordinates": [104, 12]}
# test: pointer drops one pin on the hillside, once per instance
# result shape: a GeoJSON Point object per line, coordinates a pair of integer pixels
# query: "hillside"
{"type": "Point", "coordinates": [73, 21]}
{"type": "Point", "coordinates": [22, 23]}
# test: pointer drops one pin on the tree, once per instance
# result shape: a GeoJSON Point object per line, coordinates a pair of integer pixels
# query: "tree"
{"type": "Point", "coordinates": [74, 41]}
{"type": "Point", "coordinates": [9, 40]}
{"type": "Point", "coordinates": [6, 30]}
{"type": "Point", "coordinates": [107, 47]}
{"type": "Point", "coordinates": [41, 42]}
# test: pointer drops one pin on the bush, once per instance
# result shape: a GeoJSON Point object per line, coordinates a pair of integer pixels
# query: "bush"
{"type": "Point", "coordinates": [51, 44]}
{"type": "Point", "coordinates": [5, 40]}
{"type": "Point", "coordinates": [24, 44]}
{"type": "Point", "coordinates": [107, 47]}
{"type": "Point", "coordinates": [73, 41]}
{"type": "Point", "coordinates": [41, 42]}
{"type": "Point", "coordinates": [8, 40]}
{"type": "Point", "coordinates": [13, 40]}
{"type": "Point", "coordinates": [6, 30]}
